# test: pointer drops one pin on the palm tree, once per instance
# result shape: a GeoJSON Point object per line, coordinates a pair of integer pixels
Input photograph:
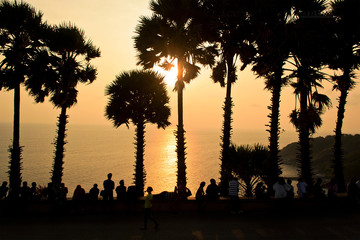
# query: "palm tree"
{"type": "Point", "coordinates": [139, 97]}
{"type": "Point", "coordinates": [271, 19]}
{"type": "Point", "coordinates": [70, 60]}
{"type": "Point", "coordinates": [249, 164]}
{"type": "Point", "coordinates": [172, 33]}
{"type": "Point", "coordinates": [309, 54]}
{"type": "Point", "coordinates": [230, 29]}
{"type": "Point", "coordinates": [346, 59]}
{"type": "Point", "coordinates": [21, 31]}
{"type": "Point", "coordinates": [227, 26]}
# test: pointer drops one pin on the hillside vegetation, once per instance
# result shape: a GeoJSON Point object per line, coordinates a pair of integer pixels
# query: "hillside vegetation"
{"type": "Point", "coordinates": [322, 155]}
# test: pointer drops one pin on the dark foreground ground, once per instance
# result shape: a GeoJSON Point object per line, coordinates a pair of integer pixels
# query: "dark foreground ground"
{"type": "Point", "coordinates": [264, 224]}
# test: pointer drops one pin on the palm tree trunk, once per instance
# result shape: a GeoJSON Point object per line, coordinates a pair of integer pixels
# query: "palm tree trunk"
{"type": "Point", "coordinates": [181, 174]}
{"type": "Point", "coordinates": [338, 153]}
{"type": "Point", "coordinates": [225, 171]}
{"type": "Point", "coordinates": [274, 160]}
{"type": "Point", "coordinates": [57, 172]}
{"type": "Point", "coordinates": [15, 150]}
{"type": "Point", "coordinates": [139, 165]}
{"type": "Point", "coordinates": [304, 142]}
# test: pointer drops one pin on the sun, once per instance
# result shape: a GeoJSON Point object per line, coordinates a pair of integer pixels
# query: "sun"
{"type": "Point", "coordinates": [170, 77]}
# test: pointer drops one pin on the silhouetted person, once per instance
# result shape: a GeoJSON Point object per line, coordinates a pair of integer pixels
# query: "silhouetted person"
{"type": "Point", "coordinates": [280, 189]}
{"type": "Point", "coordinates": [25, 191]}
{"type": "Point", "coordinates": [354, 192]}
{"type": "Point", "coordinates": [289, 189]}
{"type": "Point", "coordinates": [260, 192]}
{"type": "Point", "coordinates": [63, 191]}
{"type": "Point", "coordinates": [79, 193]}
{"type": "Point", "coordinates": [147, 209]}
{"type": "Point", "coordinates": [332, 188]}
{"type": "Point", "coordinates": [234, 188]}
{"type": "Point", "coordinates": [109, 186]}
{"type": "Point", "coordinates": [200, 193]}
{"type": "Point", "coordinates": [121, 191]}
{"type": "Point", "coordinates": [94, 192]}
{"type": "Point", "coordinates": [50, 192]}
{"type": "Point", "coordinates": [33, 191]}
{"type": "Point", "coordinates": [302, 188]}
{"type": "Point", "coordinates": [212, 191]}
{"type": "Point", "coordinates": [234, 195]}
{"type": "Point", "coordinates": [318, 189]}
{"type": "Point", "coordinates": [3, 190]}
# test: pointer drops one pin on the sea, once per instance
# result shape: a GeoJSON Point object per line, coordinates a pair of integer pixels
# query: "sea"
{"type": "Point", "coordinates": [93, 151]}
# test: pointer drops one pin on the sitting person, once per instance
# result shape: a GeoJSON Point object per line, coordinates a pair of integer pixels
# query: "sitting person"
{"type": "Point", "coordinates": [200, 194]}
{"type": "Point", "coordinates": [94, 192]}
{"type": "Point", "coordinates": [79, 193]}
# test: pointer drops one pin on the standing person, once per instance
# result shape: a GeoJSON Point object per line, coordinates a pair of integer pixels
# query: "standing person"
{"type": "Point", "coordinates": [234, 195]}
{"type": "Point", "coordinates": [33, 191]}
{"type": "Point", "coordinates": [302, 185]}
{"type": "Point", "coordinates": [332, 188]}
{"type": "Point", "coordinates": [147, 209]}
{"type": "Point", "coordinates": [121, 191]}
{"type": "Point", "coordinates": [212, 191]}
{"type": "Point", "coordinates": [280, 189]}
{"type": "Point", "coordinates": [318, 189]}
{"type": "Point", "coordinates": [234, 188]}
{"type": "Point", "coordinates": [25, 191]}
{"type": "Point", "coordinates": [63, 191]}
{"type": "Point", "coordinates": [109, 186]}
{"type": "Point", "coordinates": [289, 188]}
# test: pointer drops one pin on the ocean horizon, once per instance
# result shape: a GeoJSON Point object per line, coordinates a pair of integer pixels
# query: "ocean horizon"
{"type": "Point", "coordinates": [93, 151]}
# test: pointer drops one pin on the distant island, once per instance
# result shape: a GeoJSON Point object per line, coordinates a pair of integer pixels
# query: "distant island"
{"type": "Point", "coordinates": [322, 155]}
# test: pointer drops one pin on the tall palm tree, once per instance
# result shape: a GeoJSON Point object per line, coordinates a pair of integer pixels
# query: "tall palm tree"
{"type": "Point", "coordinates": [270, 18]}
{"type": "Point", "coordinates": [172, 33]}
{"type": "Point", "coordinates": [229, 27]}
{"type": "Point", "coordinates": [308, 54]}
{"type": "Point", "coordinates": [71, 54]}
{"type": "Point", "coordinates": [139, 97]}
{"type": "Point", "coordinates": [347, 60]}
{"type": "Point", "coordinates": [21, 30]}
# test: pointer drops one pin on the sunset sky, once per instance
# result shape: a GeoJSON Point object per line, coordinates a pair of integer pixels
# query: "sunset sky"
{"type": "Point", "coordinates": [111, 25]}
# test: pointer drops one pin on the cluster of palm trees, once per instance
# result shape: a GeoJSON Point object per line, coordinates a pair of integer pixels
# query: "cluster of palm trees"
{"type": "Point", "coordinates": [49, 61]}
{"type": "Point", "coordinates": [286, 42]}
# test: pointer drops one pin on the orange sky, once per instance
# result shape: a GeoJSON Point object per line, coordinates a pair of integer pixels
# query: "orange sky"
{"type": "Point", "coordinates": [111, 24]}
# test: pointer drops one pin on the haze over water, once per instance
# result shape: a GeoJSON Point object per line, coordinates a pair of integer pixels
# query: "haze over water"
{"type": "Point", "coordinates": [94, 151]}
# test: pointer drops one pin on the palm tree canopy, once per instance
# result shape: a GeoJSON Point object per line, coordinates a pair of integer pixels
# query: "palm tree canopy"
{"type": "Point", "coordinates": [346, 51]}
{"type": "Point", "coordinates": [70, 61]}
{"type": "Point", "coordinates": [21, 34]}
{"type": "Point", "coordinates": [172, 33]}
{"type": "Point", "coordinates": [138, 96]}
{"type": "Point", "coordinates": [229, 24]}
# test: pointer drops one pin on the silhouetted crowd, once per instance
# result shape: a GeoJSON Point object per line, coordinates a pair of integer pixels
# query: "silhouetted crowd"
{"type": "Point", "coordinates": [280, 190]}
